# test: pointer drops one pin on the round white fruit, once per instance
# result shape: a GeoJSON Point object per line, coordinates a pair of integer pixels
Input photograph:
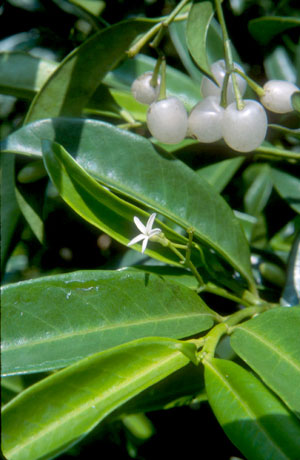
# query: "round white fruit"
{"type": "Point", "coordinates": [142, 89]}
{"type": "Point", "coordinates": [277, 97]}
{"type": "Point", "coordinates": [244, 130]}
{"type": "Point", "coordinates": [167, 120]}
{"type": "Point", "coordinates": [205, 120]}
{"type": "Point", "coordinates": [218, 69]}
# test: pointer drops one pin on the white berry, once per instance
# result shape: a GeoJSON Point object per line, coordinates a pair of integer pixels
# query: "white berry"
{"type": "Point", "coordinates": [218, 69]}
{"type": "Point", "coordinates": [244, 130]}
{"type": "Point", "coordinates": [167, 120]}
{"type": "Point", "coordinates": [205, 120]}
{"type": "Point", "coordinates": [142, 89]}
{"type": "Point", "coordinates": [277, 97]}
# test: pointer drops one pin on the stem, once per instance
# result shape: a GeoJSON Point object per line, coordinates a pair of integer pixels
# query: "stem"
{"type": "Point", "coordinates": [277, 153]}
{"type": "Point", "coordinates": [228, 56]}
{"type": "Point", "coordinates": [153, 81]}
{"type": "Point", "coordinates": [136, 48]}
{"type": "Point", "coordinates": [226, 327]}
{"type": "Point", "coordinates": [163, 86]}
{"type": "Point", "coordinates": [223, 293]}
{"type": "Point", "coordinates": [256, 88]}
{"type": "Point", "coordinates": [188, 263]}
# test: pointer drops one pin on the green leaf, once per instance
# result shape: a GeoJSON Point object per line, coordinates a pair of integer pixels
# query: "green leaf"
{"type": "Point", "coordinates": [296, 104]}
{"type": "Point", "coordinates": [89, 311]}
{"type": "Point", "coordinates": [270, 345]}
{"type": "Point", "coordinates": [259, 187]}
{"type": "Point", "coordinates": [10, 211]}
{"type": "Point", "coordinates": [267, 27]}
{"type": "Point", "coordinates": [278, 65]}
{"type": "Point", "coordinates": [177, 32]}
{"type": "Point", "coordinates": [253, 418]}
{"type": "Point", "coordinates": [178, 389]}
{"type": "Point", "coordinates": [97, 204]}
{"type": "Point", "coordinates": [72, 84]}
{"type": "Point", "coordinates": [291, 291]}
{"type": "Point", "coordinates": [137, 171]}
{"type": "Point", "coordinates": [198, 22]}
{"type": "Point", "coordinates": [22, 75]}
{"type": "Point", "coordinates": [74, 400]}
{"type": "Point", "coordinates": [219, 174]}
{"type": "Point", "coordinates": [30, 201]}
{"type": "Point", "coordinates": [288, 187]}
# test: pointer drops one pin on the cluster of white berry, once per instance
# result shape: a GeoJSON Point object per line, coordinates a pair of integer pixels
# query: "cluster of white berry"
{"type": "Point", "coordinates": [242, 130]}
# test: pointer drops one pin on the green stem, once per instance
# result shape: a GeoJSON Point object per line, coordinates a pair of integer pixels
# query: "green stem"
{"type": "Point", "coordinates": [228, 56]}
{"type": "Point", "coordinates": [163, 86]}
{"type": "Point", "coordinates": [213, 289]}
{"type": "Point", "coordinates": [256, 88]}
{"type": "Point", "coordinates": [226, 327]}
{"type": "Point", "coordinates": [277, 153]}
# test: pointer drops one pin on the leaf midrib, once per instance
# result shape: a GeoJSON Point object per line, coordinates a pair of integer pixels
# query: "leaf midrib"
{"type": "Point", "coordinates": [70, 415]}
{"type": "Point", "coordinates": [247, 409]}
{"type": "Point", "coordinates": [269, 344]}
{"type": "Point", "coordinates": [105, 329]}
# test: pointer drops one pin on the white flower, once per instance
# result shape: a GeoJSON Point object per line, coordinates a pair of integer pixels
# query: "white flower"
{"type": "Point", "coordinates": [146, 232]}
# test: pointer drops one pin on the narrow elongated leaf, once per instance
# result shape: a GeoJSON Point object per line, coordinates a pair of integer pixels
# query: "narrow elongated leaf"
{"type": "Point", "coordinates": [10, 212]}
{"type": "Point", "coordinates": [72, 401]}
{"type": "Point", "coordinates": [288, 187]}
{"type": "Point", "coordinates": [252, 417]}
{"type": "Point", "coordinates": [267, 27]}
{"type": "Point", "coordinates": [291, 291]}
{"type": "Point", "coordinates": [270, 344]}
{"type": "Point", "coordinates": [279, 66]}
{"type": "Point", "coordinates": [259, 187]}
{"type": "Point", "coordinates": [72, 84]}
{"type": "Point", "coordinates": [219, 174]}
{"type": "Point", "coordinates": [52, 322]}
{"type": "Point", "coordinates": [128, 164]}
{"type": "Point", "coordinates": [97, 204]}
{"type": "Point", "coordinates": [22, 75]}
{"type": "Point", "coordinates": [196, 32]}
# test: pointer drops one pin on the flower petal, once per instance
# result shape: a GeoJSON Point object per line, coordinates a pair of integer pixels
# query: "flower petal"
{"type": "Point", "coordinates": [155, 231]}
{"type": "Point", "coordinates": [136, 239]}
{"type": "Point", "coordinates": [144, 245]}
{"type": "Point", "coordinates": [150, 223]}
{"type": "Point", "coordinates": [139, 225]}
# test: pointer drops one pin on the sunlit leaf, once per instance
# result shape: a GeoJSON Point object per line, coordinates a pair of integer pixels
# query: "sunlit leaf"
{"type": "Point", "coordinates": [72, 401]}
{"type": "Point", "coordinates": [270, 344]}
{"type": "Point", "coordinates": [253, 418]}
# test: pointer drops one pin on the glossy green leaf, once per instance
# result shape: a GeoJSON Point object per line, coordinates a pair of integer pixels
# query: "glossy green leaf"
{"type": "Point", "coordinates": [72, 84]}
{"type": "Point", "coordinates": [178, 389]}
{"type": "Point", "coordinates": [259, 185]}
{"type": "Point", "coordinates": [270, 345]}
{"type": "Point", "coordinates": [22, 75]}
{"type": "Point", "coordinates": [90, 311]}
{"type": "Point", "coordinates": [30, 201]}
{"type": "Point", "coordinates": [291, 291]}
{"type": "Point", "coordinates": [219, 174]}
{"type": "Point", "coordinates": [177, 32]}
{"type": "Point", "coordinates": [288, 187]}
{"type": "Point", "coordinates": [72, 401]}
{"type": "Point", "coordinates": [198, 22]}
{"type": "Point", "coordinates": [253, 418]}
{"type": "Point", "coordinates": [128, 164]}
{"type": "Point", "coordinates": [267, 27]}
{"type": "Point", "coordinates": [98, 205]}
{"type": "Point", "coordinates": [278, 65]}
{"type": "Point", "coordinates": [10, 211]}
